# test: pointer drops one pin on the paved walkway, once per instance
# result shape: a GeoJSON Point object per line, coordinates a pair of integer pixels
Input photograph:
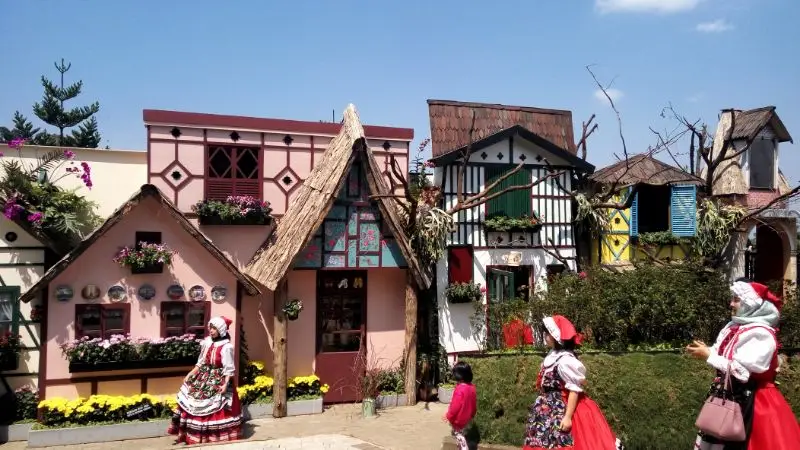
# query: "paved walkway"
{"type": "Point", "coordinates": [401, 428]}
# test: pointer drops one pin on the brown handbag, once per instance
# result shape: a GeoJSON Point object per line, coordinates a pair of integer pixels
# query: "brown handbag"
{"type": "Point", "coordinates": [721, 417]}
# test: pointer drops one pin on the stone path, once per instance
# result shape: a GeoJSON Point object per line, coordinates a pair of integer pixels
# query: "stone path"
{"type": "Point", "coordinates": [401, 428]}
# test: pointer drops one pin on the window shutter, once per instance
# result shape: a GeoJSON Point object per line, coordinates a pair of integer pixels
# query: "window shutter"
{"type": "Point", "coordinates": [683, 210]}
{"type": "Point", "coordinates": [460, 264]}
{"type": "Point", "coordinates": [514, 203]}
{"type": "Point", "coordinates": [634, 216]}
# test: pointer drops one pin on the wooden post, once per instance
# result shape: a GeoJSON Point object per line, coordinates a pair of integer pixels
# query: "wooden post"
{"type": "Point", "coordinates": [410, 349]}
{"type": "Point", "coordinates": [279, 356]}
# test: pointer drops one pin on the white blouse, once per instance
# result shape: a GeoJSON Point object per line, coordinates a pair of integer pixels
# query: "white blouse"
{"type": "Point", "coordinates": [570, 369]}
{"type": "Point", "coordinates": [228, 366]}
{"type": "Point", "coordinates": [751, 353]}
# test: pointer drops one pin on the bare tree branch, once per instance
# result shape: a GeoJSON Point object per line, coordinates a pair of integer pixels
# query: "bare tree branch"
{"type": "Point", "coordinates": [465, 161]}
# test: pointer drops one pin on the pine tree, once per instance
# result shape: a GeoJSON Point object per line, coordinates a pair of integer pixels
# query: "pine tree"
{"type": "Point", "coordinates": [51, 110]}
{"type": "Point", "coordinates": [87, 135]}
{"type": "Point", "coordinates": [23, 128]}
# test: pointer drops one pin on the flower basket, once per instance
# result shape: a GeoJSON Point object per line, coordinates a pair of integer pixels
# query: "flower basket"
{"type": "Point", "coordinates": [121, 352]}
{"type": "Point", "coordinates": [513, 224]}
{"type": "Point", "coordinates": [146, 258]}
{"type": "Point", "coordinates": [463, 292]}
{"type": "Point", "coordinates": [292, 309]}
{"type": "Point", "coordinates": [234, 210]}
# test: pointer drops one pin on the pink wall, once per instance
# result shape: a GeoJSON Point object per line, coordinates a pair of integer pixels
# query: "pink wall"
{"type": "Point", "coordinates": [385, 320]}
{"type": "Point", "coordinates": [186, 155]}
{"type": "Point", "coordinates": [192, 265]}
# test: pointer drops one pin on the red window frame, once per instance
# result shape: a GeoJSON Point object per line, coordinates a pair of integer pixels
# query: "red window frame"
{"type": "Point", "coordinates": [104, 332]}
{"type": "Point", "coordinates": [198, 330]}
{"type": "Point", "coordinates": [232, 180]}
{"type": "Point", "coordinates": [460, 264]}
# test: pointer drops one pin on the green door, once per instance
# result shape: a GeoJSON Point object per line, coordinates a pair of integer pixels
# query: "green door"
{"type": "Point", "coordinates": [501, 290]}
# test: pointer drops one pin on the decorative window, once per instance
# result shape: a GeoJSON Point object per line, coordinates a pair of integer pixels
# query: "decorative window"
{"type": "Point", "coordinates": [460, 263]}
{"type": "Point", "coordinates": [762, 164]}
{"type": "Point", "coordinates": [9, 309]}
{"type": "Point", "coordinates": [102, 321]}
{"type": "Point", "coordinates": [233, 170]}
{"type": "Point", "coordinates": [179, 318]}
{"type": "Point", "coordinates": [514, 203]}
{"type": "Point", "coordinates": [664, 208]}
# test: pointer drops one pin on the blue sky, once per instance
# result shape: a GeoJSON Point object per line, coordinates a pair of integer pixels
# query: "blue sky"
{"type": "Point", "coordinates": [304, 59]}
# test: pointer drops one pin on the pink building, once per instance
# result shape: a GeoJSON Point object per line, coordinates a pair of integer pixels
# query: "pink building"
{"type": "Point", "coordinates": [335, 248]}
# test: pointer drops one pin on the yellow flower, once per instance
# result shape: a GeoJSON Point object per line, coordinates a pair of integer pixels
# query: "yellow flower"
{"type": "Point", "coordinates": [258, 365]}
{"type": "Point", "coordinates": [324, 388]}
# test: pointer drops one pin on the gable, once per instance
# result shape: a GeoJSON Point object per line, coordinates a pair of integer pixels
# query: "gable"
{"type": "Point", "coordinates": [353, 234]}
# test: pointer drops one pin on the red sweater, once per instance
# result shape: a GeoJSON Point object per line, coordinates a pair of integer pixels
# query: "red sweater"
{"type": "Point", "coordinates": [463, 406]}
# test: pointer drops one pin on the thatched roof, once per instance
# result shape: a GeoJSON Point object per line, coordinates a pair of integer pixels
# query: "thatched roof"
{"type": "Point", "coordinates": [728, 177]}
{"type": "Point", "coordinates": [643, 169]}
{"type": "Point", "coordinates": [314, 200]}
{"type": "Point", "coordinates": [146, 191]}
{"type": "Point", "coordinates": [451, 121]}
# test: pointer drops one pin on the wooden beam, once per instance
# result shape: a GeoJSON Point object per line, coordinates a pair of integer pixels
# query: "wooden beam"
{"type": "Point", "coordinates": [410, 349]}
{"type": "Point", "coordinates": [279, 388]}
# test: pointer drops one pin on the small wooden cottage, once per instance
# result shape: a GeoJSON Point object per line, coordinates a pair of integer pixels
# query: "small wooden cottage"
{"type": "Point", "coordinates": [661, 217]}
{"type": "Point", "coordinates": [508, 244]}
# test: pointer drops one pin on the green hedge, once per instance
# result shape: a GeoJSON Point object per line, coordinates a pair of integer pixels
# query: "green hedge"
{"type": "Point", "coordinates": [650, 400]}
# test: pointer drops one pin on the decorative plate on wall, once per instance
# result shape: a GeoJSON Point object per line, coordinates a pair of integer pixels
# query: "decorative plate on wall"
{"type": "Point", "coordinates": [90, 292]}
{"type": "Point", "coordinates": [147, 292]}
{"type": "Point", "coordinates": [197, 293]}
{"type": "Point", "coordinates": [117, 293]}
{"type": "Point", "coordinates": [218, 293]}
{"type": "Point", "coordinates": [64, 293]}
{"type": "Point", "coordinates": [175, 292]}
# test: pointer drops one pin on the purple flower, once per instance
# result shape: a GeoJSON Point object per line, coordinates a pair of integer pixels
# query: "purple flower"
{"type": "Point", "coordinates": [69, 154]}
{"type": "Point", "coordinates": [16, 143]}
{"type": "Point", "coordinates": [12, 210]}
{"type": "Point", "coordinates": [35, 218]}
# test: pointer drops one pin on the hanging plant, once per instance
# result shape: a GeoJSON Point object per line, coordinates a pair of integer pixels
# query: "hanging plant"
{"type": "Point", "coordinates": [430, 236]}
{"type": "Point", "coordinates": [147, 255]}
{"type": "Point", "coordinates": [292, 309]}
{"type": "Point", "coordinates": [36, 313]}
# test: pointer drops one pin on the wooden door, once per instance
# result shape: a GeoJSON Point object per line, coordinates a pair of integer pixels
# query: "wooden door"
{"type": "Point", "coordinates": [341, 330]}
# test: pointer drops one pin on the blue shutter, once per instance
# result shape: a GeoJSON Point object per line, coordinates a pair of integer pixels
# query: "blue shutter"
{"type": "Point", "coordinates": [633, 227]}
{"type": "Point", "coordinates": [683, 210]}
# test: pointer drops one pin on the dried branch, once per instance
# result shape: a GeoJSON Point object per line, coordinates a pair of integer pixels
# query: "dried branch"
{"type": "Point", "coordinates": [613, 107]}
{"type": "Point", "coordinates": [585, 133]}
{"type": "Point", "coordinates": [465, 161]}
{"type": "Point", "coordinates": [484, 196]}
{"type": "Point", "coordinates": [557, 255]}
{"type": "Point", "coordinates": [794, 193]}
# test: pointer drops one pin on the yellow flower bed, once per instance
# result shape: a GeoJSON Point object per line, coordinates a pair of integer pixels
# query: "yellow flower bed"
{"type": "Point", "coordinates": [109, 408]}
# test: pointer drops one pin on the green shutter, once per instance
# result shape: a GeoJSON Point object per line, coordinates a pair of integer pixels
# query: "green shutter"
{"type": "Point", "coordinates": [512, 204]}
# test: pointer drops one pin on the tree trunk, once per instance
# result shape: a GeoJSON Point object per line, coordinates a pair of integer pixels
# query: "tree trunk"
{"type": "Point", "coordinates": [410, 349]}
{"type": "Point", "coordinates": [279, 388]}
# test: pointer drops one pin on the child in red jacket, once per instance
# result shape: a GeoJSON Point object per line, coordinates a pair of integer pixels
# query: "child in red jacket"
{"type": "Point", "coordinates": [464, 404]}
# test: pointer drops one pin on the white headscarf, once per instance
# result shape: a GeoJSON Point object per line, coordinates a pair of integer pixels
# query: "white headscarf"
{"type": "Point", "coordinates": [221, 325]}
{"type": "Point", "coordinates": [754, 309]}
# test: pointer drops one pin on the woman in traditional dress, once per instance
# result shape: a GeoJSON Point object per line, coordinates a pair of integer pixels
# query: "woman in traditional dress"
{"type": "Point", "coordinates": [562, 415]}
{"type": "Point", "coordinates": [747, 346]}
{"type": "Point", "coordinates": [208, 405]}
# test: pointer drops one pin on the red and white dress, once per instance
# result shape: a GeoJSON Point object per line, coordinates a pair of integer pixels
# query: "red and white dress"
{"type": "Point", "coordinates": [562, 372]}
{"type": "Point", "coordinates": [205, 414]}
{"type": "Point", "coordinates": [751, 351]}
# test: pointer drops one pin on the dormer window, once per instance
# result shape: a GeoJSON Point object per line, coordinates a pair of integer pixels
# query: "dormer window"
{"type": "Point", "coordinates": [763, 158]}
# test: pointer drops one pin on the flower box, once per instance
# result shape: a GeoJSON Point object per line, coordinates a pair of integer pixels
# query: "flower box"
{"type": "Point", "coordinates": [217, 220]}
{"type": "Point", "coordinates": [8, 361]}
{"type": "Point", "coordinates": [390, 401]}
{"type": "Point", "coordinates": [149, 268]}
{"type": "Point", "coordinates": [445, 393]}
{"type": "Point", "coordinates": [463, 292]}
{"type": "Point", "coordinates": [78, 367]}
{"type": "Point", "coordinates": [15, 432]}
{"type": "Point", "coordinates": [234, 210]}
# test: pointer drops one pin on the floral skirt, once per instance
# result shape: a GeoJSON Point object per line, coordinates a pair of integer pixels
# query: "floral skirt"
{"type": "Point", "coordinates": [590, 430]}
{"type": "Point", "coordinates": [204, 414]}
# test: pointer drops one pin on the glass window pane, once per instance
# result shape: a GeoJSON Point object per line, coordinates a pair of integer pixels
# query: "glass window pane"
{"type": "Point", "coordinates": [173, 315]}
{"type": "Point", "coordinates": [114, 319]}
{"type": "Point", "coordinates": [89, 321]}
{"type": "Point", "coordinates": [197, 317]}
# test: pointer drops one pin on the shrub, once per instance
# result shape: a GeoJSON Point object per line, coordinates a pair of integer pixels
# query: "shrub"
{"type": "Point", "coordinates": [391, 381]}
{"type": "Point", "coordinates": [26, 400]}
{"type": "Point", "coordinates": [650, 400]}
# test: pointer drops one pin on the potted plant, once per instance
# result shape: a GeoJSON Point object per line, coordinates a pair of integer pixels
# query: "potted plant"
{"type": "Point", "coordinates": [292, 309]}
{"type": "Point", "coordinates": [145, 258]}
{"type": "Point", "coordinates": [370, 389]}
{"type": "Point", "coordinates": [10, 347]}
{"type": "Point", "coordinates": [234, 210]}
{"type": "Point", "coordinates": [463, 292]}
{"type": "Point", "coordinates": [503, 223]}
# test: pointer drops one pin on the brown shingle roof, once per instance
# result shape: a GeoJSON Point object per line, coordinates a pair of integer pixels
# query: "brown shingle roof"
{"type": "Point", "coordinates": [643, 169]}
{"type": "Point", "coordinates": [749, 123]}
{"type": "Point", "coordinates": [451, 120]}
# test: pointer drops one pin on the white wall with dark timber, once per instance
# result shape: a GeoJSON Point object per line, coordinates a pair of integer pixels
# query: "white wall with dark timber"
{"type": "Point", "coordinates": [22, 264]}
{"type": "Point", "coordinates": [457, 330]}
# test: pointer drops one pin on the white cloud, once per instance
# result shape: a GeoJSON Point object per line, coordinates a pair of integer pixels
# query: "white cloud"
{"type": "Point", "coordinates": [716, 26]}
{"type": "Point", "coordinates": [646, 6]}
{"type": "Point", "coordinates": [695, 98]}
{"type": "Point", "coordinates": [614, 93]}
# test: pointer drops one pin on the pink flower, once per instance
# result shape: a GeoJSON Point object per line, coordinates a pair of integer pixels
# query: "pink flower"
{"type": "Point", "coordinates": [35, 217]}
{"type": "Point", "coordinates": [69, 154]}
{"type": "Point", "coordinates": [483, 289]}
{"type": "Point", "coordinates": [383, 243]}
{"type": "Point", "coordinates": [430, 163]}
{"type": "Point", "coordinates": [582, 275]}
{"type": "Point", "coordinates": [16, 143]}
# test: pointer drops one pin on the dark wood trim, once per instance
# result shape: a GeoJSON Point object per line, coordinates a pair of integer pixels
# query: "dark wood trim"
{"type": "Point", "coordinates": [78, 367]}
{"type": "Point", "coordinates": [95, 387]}
{"type": "Point", "coordinates": [196, 120]}
{"type": "Point", "coordinates": [45, 293]}
{"type": "Point", "coordinates": [8, 249]}
{"type": "Point", "coordinates": [22, 264]}
{"type": "Point", "coordinates": [511, 149]}
{"type": "Point", "coordinates": [105, 378]}
{"type": "Point", "coordinates": [149, 152]}
{"type": "Point", "coordinates": [143, 385]}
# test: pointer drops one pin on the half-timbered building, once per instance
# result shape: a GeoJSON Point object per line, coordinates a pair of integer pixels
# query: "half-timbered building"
{"type": "Point", "coordinates": [509, 244]}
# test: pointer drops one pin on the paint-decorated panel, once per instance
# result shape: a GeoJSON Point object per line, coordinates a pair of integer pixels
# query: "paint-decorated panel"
{"type": "Point", "coordinates": [353, 234]}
